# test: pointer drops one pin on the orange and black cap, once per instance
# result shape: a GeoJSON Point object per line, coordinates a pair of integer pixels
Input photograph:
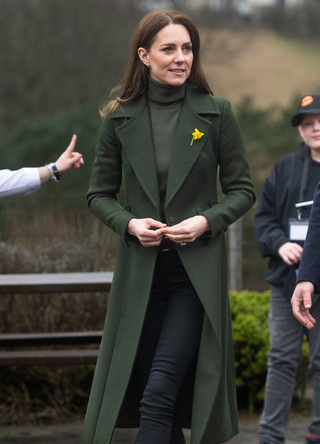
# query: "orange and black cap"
{"type": "Point", "coordinates": [308, 105]}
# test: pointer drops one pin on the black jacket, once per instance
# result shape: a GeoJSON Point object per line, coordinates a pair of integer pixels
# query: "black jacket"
{"type": "Point", "coordinates": [310, 262]}
{"type": "Point", "coordinates": [277, 205]}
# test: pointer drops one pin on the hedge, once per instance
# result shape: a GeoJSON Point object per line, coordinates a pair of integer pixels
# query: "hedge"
{"type": "Point", "coordinates": [249, 313]}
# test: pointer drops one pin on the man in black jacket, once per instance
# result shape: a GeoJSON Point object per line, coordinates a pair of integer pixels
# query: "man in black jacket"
{"type": "Point", "coordinates": [309, 270]}
{"type": "Point", "coordinates": [280, 231]}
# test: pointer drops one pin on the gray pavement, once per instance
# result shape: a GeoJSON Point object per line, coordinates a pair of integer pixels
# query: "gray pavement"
{"type": "Point", "coordinates": [70, 433]}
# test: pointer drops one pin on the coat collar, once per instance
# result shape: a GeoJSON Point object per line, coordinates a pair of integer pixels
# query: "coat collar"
{"type": "Point", "coordinates": [135, 136]}
{"type": "Point", "coordinates": [200, 102]}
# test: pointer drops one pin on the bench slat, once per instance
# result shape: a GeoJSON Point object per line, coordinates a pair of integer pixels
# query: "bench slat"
{"type": "Point", "coordinates": [52, 283]}
{"type": "Point", "coordinates": [65, 338]}
{"type": "Point", "coordinates": [49, 357]}
{"type": "Point", "coordinates": [55, 282]}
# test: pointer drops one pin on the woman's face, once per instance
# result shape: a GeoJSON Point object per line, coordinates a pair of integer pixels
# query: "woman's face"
{"type": "Point", "coordinates": [170, 57]}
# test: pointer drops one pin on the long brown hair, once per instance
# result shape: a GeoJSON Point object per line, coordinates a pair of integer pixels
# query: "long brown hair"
{"type": "Point", "coordinates": [137, 74]}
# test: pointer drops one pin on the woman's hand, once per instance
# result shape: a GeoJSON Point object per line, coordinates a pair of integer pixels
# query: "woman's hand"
{"type": "Point", "coordinates": [290, 252]}
{"type": "Point", "coordinates": [143, 230]}
{"type": "Point", "coordinates": [188, 230]}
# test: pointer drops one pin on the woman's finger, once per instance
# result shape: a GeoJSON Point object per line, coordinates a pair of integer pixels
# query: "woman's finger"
{"type": "Point", "coordinates": [155, 223]}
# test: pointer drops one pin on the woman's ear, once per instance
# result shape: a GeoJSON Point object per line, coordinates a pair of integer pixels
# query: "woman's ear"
{"type": "Point", "coordinates": [144, 56]}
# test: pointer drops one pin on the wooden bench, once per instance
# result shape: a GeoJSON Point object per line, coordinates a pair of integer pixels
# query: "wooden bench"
{"type": "Point", "coordinates": [52, 283]}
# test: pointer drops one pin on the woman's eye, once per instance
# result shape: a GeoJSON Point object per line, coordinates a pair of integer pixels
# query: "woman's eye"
{"type": "Point", "coordinates": [188, 48]}
{"type": "Point", "coordinates": [167, 49]}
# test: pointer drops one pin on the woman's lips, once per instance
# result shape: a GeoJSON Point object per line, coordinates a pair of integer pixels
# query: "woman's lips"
{"type": "Point", "coordinates": [177, 71]}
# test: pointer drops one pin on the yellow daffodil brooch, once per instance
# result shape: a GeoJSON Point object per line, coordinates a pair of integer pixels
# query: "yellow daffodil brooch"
{"type": "Point", "coordinates": [196, 135]}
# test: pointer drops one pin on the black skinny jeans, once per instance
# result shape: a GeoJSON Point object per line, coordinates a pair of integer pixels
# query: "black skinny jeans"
{"type": "Point", "coordinates": [168, 346]}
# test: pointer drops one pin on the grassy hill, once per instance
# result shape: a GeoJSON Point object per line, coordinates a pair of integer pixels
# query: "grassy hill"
{"type": "Point", "coordinates": [259, 63]}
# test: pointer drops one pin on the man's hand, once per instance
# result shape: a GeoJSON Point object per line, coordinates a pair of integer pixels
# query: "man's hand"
{"type": "Point", "coordinates": [301, 303]}
{"type": "Point", "coordinates": [290, 253]}
{"type": "Point", "coordinates": [69, 159]}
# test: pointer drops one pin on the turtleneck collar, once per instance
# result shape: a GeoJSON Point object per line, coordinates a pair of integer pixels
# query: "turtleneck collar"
{"type": "Point", "coordinates": [164, 93]}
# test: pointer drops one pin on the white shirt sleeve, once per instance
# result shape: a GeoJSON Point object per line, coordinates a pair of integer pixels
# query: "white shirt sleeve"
{"type": "Point", "coordinates": [23, 181]}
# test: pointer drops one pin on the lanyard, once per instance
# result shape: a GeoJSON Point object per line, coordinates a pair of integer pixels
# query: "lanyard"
{"type": "Point", "coordinates": [303, 183]}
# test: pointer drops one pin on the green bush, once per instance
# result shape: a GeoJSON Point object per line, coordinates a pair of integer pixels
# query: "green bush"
{"type": "Point", "coordinates": [249, 312]}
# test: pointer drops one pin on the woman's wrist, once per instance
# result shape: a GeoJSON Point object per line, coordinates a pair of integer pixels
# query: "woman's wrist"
{"type": "Point", "coordinates": [204, 222]}
{"type": "Point", "coordinates": [130, 226]}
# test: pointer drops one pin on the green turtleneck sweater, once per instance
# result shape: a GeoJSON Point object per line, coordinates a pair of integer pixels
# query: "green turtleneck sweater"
{"type": "Point", "coordinates": [165, 103]}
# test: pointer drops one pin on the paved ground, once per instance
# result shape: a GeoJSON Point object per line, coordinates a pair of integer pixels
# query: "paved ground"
{"type": "Point", "coordinates": [70, 434]}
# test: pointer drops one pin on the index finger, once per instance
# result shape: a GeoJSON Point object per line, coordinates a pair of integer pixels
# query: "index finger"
{"type": "Point", "coordinates": [72, 144]}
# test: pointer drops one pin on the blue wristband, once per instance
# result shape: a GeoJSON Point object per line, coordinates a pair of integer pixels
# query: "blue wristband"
{"type": "Point", "coordinates": [55, 173]}
{"type": "Point", "coordinates": [55, 176]}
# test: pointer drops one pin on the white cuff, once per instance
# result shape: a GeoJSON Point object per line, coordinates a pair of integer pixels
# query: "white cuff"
{"type": "Point", "coordinates": [33, 182]}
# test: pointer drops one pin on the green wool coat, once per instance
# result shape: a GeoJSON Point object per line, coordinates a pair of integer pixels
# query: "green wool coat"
{"type": "Point", "coordinates": [207, 401]}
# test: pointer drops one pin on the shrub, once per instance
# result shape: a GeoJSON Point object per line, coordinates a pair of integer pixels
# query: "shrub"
{"type": "Point", "coordinates": [249, 312]}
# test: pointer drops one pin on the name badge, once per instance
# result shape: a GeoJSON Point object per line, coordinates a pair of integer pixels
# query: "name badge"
{"type": "Point", "coordinates": [298, 229]}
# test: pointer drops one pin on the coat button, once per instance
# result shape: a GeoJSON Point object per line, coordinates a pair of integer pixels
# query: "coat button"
{"type": "Point", "coordinates": [199, 210]}
{"type": "Point", "coordinates": [171, 219]}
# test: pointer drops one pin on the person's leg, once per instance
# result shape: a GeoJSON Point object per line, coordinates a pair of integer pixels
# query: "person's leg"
{"type": "Point", "coordinates": [314, 342]}
{"type": "Point", "coordinates": [286, 335]}
{"type": "Point", "coordinates": [177, 436]}
{"type": "Point", "coordinates": [177, 348]}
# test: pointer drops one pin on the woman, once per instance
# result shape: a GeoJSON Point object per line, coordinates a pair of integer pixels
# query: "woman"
{"type": "Point", "coordinates": [166, 357]}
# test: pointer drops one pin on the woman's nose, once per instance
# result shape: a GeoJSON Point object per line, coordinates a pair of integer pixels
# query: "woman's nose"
{"type": "Point", "coordinates": [179, 57]}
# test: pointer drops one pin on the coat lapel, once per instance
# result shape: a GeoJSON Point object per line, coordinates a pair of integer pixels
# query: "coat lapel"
{"type": "Point", "coordinates": [184, 155]}
{"type": "Point", "coordinates": [135, 135]}
{"type": "Point", "coordinates": [136, 138]}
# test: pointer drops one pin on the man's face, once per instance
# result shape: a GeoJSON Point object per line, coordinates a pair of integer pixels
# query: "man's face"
{"type": "Point", "coordinates": [310, 130]}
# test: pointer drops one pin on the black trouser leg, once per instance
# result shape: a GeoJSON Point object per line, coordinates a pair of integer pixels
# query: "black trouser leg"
{"type": "Point", "coordinates": [169, 344]}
